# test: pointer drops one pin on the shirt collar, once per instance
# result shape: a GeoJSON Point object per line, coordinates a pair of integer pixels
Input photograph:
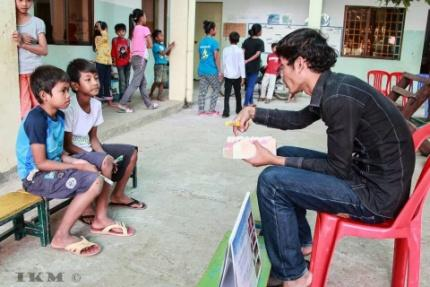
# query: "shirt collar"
{"type": "Point", "coordinates": [318, 91]}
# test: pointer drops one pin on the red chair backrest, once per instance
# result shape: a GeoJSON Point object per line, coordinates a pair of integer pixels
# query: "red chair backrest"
{"type": "Point", "coordinates": [381, 80]}
{"type": "Point", "coordinates": [414, 205]}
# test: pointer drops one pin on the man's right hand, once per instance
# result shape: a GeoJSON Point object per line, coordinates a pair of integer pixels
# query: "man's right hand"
{"type": "Point", "coordinates": [244, 118]}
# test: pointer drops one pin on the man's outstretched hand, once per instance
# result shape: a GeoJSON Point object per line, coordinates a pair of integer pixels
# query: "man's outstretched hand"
{"type": "Point", "coordinates": [264, 157]}
{"type": "Point", "coordinates": [244, 119]}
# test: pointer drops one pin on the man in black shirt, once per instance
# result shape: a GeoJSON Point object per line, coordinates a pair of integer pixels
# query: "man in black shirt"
{"type": "Point", "coordinates": [365, 174]}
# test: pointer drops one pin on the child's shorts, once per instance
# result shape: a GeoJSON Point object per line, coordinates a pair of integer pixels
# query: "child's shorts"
{"type": "Point", "coordinates": [60, 184]}
{"type": "Point", "coordinates": [114, 150]}
{"type": "Point", "coordinates": [161, 73]}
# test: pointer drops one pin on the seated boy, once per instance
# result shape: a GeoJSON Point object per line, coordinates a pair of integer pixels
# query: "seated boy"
{"type": "Point", "coordinates": [83, 116]}
{"type": "Point", "coordinates": [47, 171]}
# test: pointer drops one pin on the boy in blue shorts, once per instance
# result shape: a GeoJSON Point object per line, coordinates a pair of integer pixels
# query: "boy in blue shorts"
{"type": "Point", "coordinates": [161, 65]}
{"type": "Point", "coordinates": [83, 117]}
{"type": "Point", "coordinates": [46, 170]}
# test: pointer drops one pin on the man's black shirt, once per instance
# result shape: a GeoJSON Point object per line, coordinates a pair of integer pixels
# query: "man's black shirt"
{"type": "Point", "coordinates": [368, 140]}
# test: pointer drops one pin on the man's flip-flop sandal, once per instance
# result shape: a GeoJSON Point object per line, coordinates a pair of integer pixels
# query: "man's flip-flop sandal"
{"type": "Point", "coordinates": [125, 231]}
{"type": "Point", "coordinates": [130, 204]}
{"type": "Point", "coordinates": [77, 248]}
{"type": "Point", "coordinates": [86, 219]}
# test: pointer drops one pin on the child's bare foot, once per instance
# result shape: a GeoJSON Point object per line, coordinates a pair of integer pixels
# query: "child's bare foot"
{"type": "Point", "coordinates": [62, 243]}
{"type": "Point", "coordinates": [99, 224]}
{"type": "Point", "coordinates": [303, 281]}
{"type": "Point", "coordinates": [124, 200]}
{"type": "Point", "coordinates": [307, 250]}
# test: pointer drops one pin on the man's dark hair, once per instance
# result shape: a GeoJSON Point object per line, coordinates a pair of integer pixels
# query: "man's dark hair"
{"type": "Point", "coordinates": [310, 45]}
{"type": "Point", "coordinates": [44, 78]}
{"type": "Point", "coordinates": [234, 37]}
{"type": "Point", "coordinates": [208, 26]}
{"type": "Point", "coordinates": [120, 27]}
{"type": "Point", "coordinates": [156, 33]}
{"type": "Point", "coordinates": [78, 66]}
{"type": "Point", "coordinates": [274, 45]}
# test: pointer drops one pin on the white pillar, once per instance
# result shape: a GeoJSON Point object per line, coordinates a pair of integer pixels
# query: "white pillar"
{"type": "Point", "coordinates": [9, 85]}
{"type": "Point", "coordinates": [315, 11]}
{"type": "Point", "coordinates": [181, 27]}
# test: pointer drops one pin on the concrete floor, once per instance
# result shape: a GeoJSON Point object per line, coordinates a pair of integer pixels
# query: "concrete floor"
{"type": "Point", "coordinates": [193, 197]}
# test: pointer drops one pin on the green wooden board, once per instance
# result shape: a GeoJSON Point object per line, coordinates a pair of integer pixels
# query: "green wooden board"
{"type": "Point", "coordinates": [212, 275]}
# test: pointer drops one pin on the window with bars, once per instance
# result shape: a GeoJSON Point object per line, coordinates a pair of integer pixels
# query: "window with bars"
{"type": "Point", "coordinates": [68, 22]}
{"type": "Point", "coordinates": [373, 32]}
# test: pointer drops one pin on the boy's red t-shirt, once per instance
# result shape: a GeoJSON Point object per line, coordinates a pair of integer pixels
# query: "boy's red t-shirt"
{"type": "Point", "coordinates": [273, 64]}
{"type": "Point", "coordinates": [120, 51]}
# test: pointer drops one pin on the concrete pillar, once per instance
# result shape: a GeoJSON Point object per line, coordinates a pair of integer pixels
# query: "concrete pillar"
{"type": "Point", "coordinates": [9, 85]}
{"type": "Point", "coordinates": [181, 27]}
{"type": "Point", "coordinates": [315, 11]}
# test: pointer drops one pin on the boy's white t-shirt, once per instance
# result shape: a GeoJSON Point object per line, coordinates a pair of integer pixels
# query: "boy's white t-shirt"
{"type": "Point", "coordinates": [79, 123]}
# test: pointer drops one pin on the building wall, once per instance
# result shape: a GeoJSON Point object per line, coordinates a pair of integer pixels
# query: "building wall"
{"type": "Point", "coordinates": [109, 11]}
{"type": "Point", "coordinates": [9, 98]}
{"type": "Point", "coordinates": [256, 11]}
{"type": "Point", "coordinates": [413, 39]}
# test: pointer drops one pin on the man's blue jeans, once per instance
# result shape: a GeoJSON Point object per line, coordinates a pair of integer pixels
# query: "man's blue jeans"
{"type": "Point", "coordinates": [285, 193]}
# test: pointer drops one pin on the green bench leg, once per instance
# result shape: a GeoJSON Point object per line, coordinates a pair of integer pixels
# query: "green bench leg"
{"type": "Point", "coordinates": [44, 224]}
{"type": "Point", "coordinates": [19, 227]}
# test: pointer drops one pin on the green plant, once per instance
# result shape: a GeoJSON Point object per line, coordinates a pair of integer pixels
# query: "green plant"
{"type": "Point", "coordinates": [405, 3]}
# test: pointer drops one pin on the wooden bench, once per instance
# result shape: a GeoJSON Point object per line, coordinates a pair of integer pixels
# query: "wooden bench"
{"type": "Point", "coordinates": [14, 205]}
{"type": "Point", "coordinates": [212, 275]}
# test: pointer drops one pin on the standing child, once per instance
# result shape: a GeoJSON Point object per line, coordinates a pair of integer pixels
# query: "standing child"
{"type": "Point", "coordinates": [121, 57]}
{"type": "Point", "coordinates": [31, 41]}
{"type": "Point", "coordinates": [45, 169]}
{"type": "Point", "coordinates": [209, 69]}
{"type": "Point", "coordinates": [253, 47]}
{"type": "Point", "coordinates": [140, 43]}
{"type": "Point", "coordinates": [83, 117]}
{"type": "Point", "coordinates": [234, 73]}
{"type": "Point", "coordinates": [269, 79]}
{"type": "Point", "coordinates": [103, 59]}
{"type": "Point", "coordinates": [161, 66]}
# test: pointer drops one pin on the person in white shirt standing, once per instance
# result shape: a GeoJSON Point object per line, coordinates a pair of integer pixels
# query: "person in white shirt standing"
{"type": "Point", "coordinates": [233, 61]}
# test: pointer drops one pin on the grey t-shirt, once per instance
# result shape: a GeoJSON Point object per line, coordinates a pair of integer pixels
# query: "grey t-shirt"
{"type": "Point", "coordinates": [29, 61]}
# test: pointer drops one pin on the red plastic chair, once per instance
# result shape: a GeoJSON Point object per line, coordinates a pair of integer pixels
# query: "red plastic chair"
{"type": "Point", "coordinates": [405, 229]}
{"type": "Point", "coordinates": [381, 80]}
{"type": "Point", "coordinates": [397, 76]}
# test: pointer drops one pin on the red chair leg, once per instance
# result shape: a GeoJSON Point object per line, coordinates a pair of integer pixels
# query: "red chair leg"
{"type": "Point", "coordinates": [414, 243]}
{"type": "Point", "coordinates": [400, 262]}
{"type": "Point", "coordinates": [323, 249]}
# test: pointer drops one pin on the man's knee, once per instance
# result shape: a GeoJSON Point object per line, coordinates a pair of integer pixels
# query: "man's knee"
{"type": "Point", "coordinates": [265, 181]}
{"type": "Point", "coordinates": [286, 151]}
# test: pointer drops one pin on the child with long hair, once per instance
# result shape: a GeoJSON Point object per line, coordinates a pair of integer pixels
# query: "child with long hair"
{"type": "Point", "coordinates": [103, 59]}
{"type": "Point", "coordinates": [140, 43]}
{"type": "Point", "coordinates": [31, 41]}
{"type": "Point", "coordinates": [209, 69]}
{"type": "Point", "coordinates": [253, 47]}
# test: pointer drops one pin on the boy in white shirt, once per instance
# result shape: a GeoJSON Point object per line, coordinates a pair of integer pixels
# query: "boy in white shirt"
{"type": "Point", "coordinates": [233, 60]}
{"type": "Point", "coordinates": [83, 117]}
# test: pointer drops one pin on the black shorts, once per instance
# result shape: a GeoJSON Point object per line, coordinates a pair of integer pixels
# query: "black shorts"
{"type": "Point", "coordinates": [114, 150]}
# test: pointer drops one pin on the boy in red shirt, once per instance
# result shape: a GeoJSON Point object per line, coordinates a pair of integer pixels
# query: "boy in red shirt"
{"type": "Point", "coordinates": [269, 79]}
{"type": "Point", "coordinates": [121, 57]}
